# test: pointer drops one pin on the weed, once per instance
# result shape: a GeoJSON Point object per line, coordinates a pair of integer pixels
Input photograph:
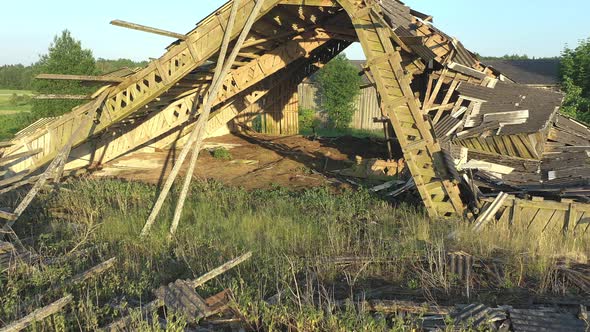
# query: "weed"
{"type": "Point", "coordinates": [221, 154]}
{"type": "Point", "coordinates": [295, 237]}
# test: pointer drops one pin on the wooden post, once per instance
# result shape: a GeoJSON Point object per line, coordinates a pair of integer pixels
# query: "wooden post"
{"type": "Point", "coordinates": [38, 315]}
{"type": "Point", "coordinates": [202, 124]}
{"type": "Point", "coordinates": [218, 76]}
{"type": "Point", "coordinates": [197, 132]}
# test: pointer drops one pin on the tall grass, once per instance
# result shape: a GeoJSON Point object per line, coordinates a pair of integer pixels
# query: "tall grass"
{"type": "Point", "coordinates": [295, 237]}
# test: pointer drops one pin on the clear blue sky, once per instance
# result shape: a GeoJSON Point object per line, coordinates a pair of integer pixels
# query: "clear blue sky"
{"type": "Point", "coordinates": [537, 28]}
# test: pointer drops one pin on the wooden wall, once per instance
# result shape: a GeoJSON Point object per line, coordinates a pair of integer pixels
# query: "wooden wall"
{"type": "Point", "coordinates": [279, 111]}
{"type": "Point", "coordinates": [367, 106]}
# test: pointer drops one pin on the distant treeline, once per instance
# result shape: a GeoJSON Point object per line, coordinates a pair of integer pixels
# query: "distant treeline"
{"type": "Point", "coordinates": [20, 77]}
{"type": "Point", "coordinates": [512, 57]}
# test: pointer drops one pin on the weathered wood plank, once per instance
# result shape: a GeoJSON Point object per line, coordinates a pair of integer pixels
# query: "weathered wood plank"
{"type": "Point", "coordinates": [38, 315]}
{"type": "Point", "coordinates": [83, 78]}
{"type": "Point", "coordinates": [25, 154]}
{"type": "Point", "coordinates": [62, 97]}
{"type": "Point", "coordinates": [220, 270]}
{"type": "Point", "coordinates": [145, 28]}
{"type": "Point", "coordinates": [95, 271]}
{"type": "Point", "coordinates": [8, 215]}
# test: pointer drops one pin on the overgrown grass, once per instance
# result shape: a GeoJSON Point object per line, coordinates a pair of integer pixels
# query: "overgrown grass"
{"type": "Point", "coordinates": [295, 237]}
{"type": "Point", "coordinates": [221, 154]}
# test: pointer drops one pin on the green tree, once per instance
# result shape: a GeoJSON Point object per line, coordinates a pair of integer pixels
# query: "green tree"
{"type": "Point", "coordinates": [575, 79]}
{"type": "Point", "coordinates": [105, 66]}
{"type": "Point", "coordinates": [66, 56]}
{"type": "Point", "coordinates": [16, 77]}
{"type": "Point", "coordinates": [339, 85]}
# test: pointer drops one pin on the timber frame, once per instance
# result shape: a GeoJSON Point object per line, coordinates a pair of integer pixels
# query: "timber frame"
{"type": "Point", "coordinates": [416, 69]}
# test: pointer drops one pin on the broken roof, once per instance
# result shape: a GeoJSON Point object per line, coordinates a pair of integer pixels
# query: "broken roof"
{"type": "Point", "coordinates": [533, 72]}
{"type": "Point", "coordinates": [509, 98]}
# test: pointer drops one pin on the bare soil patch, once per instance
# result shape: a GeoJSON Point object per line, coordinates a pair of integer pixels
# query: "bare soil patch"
{"type": "Point", "coordinates": [257, 161]}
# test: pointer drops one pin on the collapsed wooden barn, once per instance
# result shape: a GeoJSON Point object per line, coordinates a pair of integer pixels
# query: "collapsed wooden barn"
{"type": "Point", "coordinates": [434, 95]}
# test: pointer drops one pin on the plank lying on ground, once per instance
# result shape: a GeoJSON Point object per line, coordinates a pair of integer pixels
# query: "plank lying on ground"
{"type": "Point", "coordinates": [99, 269]}
{"type": "Point", "coordinates": [395, 306]}
{"type": "Point", "coordinates": [7, 215]}
{"type": "Point", "coordinates": [66, 97]}
{"type": "Point", "coordinates": [121, 323]}
{"type": "Point", "coordinates": [38, 315]}
{"type": "Point", "coordinates": [87, 78]}
{"type": "Point", "coordinates": [220, 270]}
{"type": "Point", "coordinates": [145, 28]}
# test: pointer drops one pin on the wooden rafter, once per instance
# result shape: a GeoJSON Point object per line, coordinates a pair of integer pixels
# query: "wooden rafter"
{"type": "Point", "coordinates": [148, 29]}
{"type": "Point", "coordinates": [83, 78]}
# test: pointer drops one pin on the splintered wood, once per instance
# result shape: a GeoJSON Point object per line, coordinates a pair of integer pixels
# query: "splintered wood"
{"type": "Point", "coordinates": [180, 296]}
{"type": "Point", "coordinates": [38, 315]}
{"type": "Point", "coordinates": [433, 95]}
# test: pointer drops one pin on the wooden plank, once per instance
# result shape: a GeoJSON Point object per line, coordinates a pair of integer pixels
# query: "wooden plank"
{"type": "Point", "coordinates": [56, 167]}
{"type": "Point", "coordinates": [62, 97]}
{"type": "Point", "coordinates": [84, 78]}
{"type": "Point", "coordinates": [221, 270]}
{"type": "Point", "coordinates": [148, 29]}
{"type": "Point", "coordinates": [123, 322]}
{"type": "Point", "coordinates": [95, 271]}
{"type": "Point", "coordinates": [8, 215]}
{"type": "Point", "coordinates": [38, 315]}
{"type": "Point", "coordinates": [25, 154]}
{"type": "Point", "coordinates": [314, 3]}
{"type": "Point", "coordinates": [194, 141]}
{"type": "Point", "coordinates": [489, 213]}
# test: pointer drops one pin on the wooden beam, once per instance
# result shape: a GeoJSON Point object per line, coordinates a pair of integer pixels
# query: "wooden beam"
{"type": "Point", "coordinates": [249, 55]}
{"type": "Point", "coordinates": [422, 16]}
{"type": "Point", "coordinates": [38, 315]}
{"type": "Point", "coordinates": [221, 69]}
{"type": "Point", "coordinates": [19, 155]}
{"type": "Point", "coordinates": [277, 36]}
{"type": "Point", "coordinates": [148, 29]}
{"type": "Point", "coordinates": [314, 3]}
{"type": "Point", "coordinates": [97, 270]}
{"type": "Point", "coordinates": [198, 134]}
{"type": "Point", "coordinates": [7, 216]}
{"type": "Point", "coordinates": [412, 40]}
{"type": "Point", "coordinates": [63, 97]}
{"type": "Point", "coordinates": [84, 78]}
{"type": "Point", "coordinates": [56, 167]}
{"type": "Point", "coordinates": [220, 270]}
